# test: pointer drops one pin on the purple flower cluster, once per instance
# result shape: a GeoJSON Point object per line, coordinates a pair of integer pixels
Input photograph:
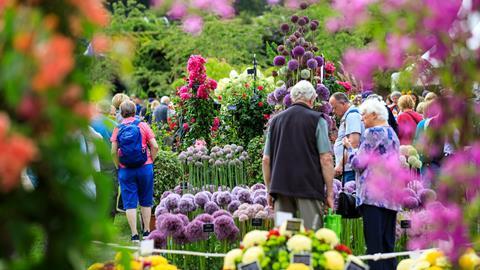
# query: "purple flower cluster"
{"type": "Point", "coordinates": [200, 156]}
{"type": "Point", "coordinates": [417, 196]}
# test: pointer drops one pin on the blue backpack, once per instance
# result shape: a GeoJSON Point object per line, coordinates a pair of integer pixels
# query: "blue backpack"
{"type": "Point", "coordinates": [132, 154]}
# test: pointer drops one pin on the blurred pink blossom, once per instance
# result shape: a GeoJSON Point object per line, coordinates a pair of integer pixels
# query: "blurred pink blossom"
{"type": "Point", "coordinates": [177, 11]}
{"type": "Point", "coordinates": [193, 25]}
{"type": "Point", "coordinates": [362, 63]}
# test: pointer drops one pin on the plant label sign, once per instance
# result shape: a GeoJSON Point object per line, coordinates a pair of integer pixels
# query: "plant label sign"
{"type": "Point", "coordinates": [250, 266]}
{"type": "Point", "coordinates": [257, 222]}
{"type": "Point", "coordinates": [208, 227]}
{"type": "Point", "coordinates": [351, 265]}
{"type": "Point", "coordinates": [281, 217]}
{"type": "Point", "coordinates": [294, 225]}
{"type": "Point", "coordinates": [184, 185]}
{"type": "Point", "coordinates": [406, 224]}
{"type": "Point", "coordinates": [305, 258]}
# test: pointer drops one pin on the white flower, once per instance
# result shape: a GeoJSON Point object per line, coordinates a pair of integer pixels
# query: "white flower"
{"type": "Point", "coordinates": [299, 243]}
{"type": "Point", "coordinates": [327, 236]}
{"type": "Point", "coordinates": [253, 238]}
{"type": "Point", "coordinates": [230, 258]}
{"type": "Point", "coordinates": [405, 264]}
{"type": "Point", "coordinates": [253, 254]}
{"type": "Point", "coordinates": [233, 74]}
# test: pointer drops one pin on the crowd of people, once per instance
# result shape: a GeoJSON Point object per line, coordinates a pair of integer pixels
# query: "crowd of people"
{"type": "Point", "coordinates": [300, 160]}
{"type": "Point", "coordinates": [124, 124]}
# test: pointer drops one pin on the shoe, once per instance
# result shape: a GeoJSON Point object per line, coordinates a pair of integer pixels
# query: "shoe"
{"type": "Point", "coordinates": [146, 234]}
{"type": "Point", "coordinates": [135, 238]}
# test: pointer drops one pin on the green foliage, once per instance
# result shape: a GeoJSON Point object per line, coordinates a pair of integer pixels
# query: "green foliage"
{"type": "Point", "coordinates": [254, 167]}
{"type": "Point", "coordinates": [217, 69]}
{"type": "Point", "coordinates": [167, 172]}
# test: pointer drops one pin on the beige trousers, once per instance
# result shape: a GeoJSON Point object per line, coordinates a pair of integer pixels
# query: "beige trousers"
{"type": "Point", "coordinates": [310, 210]}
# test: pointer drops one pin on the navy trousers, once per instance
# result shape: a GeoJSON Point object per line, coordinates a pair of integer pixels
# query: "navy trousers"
{"type": "Point", "coordinates": [379, 230]}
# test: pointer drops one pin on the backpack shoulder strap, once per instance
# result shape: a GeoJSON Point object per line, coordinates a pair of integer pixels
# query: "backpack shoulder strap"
{"type": "Point", "coordinates": [136, 122]}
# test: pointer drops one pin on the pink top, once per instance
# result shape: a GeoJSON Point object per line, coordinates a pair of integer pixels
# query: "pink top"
{"type": "Point", "coordinates": [407, 125]}
{"type": "Point", "coordinates": [147, 135]}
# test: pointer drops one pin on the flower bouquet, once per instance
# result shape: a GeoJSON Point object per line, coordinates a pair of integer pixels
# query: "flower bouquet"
{"type": "Point", "coordinates": [219, 166]}
{"type": "Point", "coordinates": [274, 249]}
{"type": "Point", "coordinates": [436, 260]}
{"type": "Point", "coordinates": [128, 261]}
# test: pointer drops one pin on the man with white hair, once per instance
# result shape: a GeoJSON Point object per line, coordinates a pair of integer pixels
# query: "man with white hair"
{"type": "Point", "coordinates": [297, 160]}
{"type": "Point", "coordinates": [395, 95]}
{"type": "Point", "coordinates": [160, 114]}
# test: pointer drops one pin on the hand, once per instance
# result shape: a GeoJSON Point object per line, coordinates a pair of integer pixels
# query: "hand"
{"type": "Point", "coordinates": [270, 200]}
{"type": "Point", "coordinates": [346, 143]}
{"type": "Point", "coordinates": [338, 170]}
{"type": "Point", "coordinates": [330, 201]}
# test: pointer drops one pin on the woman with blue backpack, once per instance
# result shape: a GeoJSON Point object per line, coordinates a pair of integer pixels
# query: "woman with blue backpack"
{"type": "Point", "coordinates": [134, 149]}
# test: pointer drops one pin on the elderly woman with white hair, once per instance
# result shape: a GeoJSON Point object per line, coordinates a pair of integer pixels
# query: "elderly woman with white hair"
{"type": "Point", "coordinates": [379, 216]}
{"type": "Point", "coordinates": [297, 160]}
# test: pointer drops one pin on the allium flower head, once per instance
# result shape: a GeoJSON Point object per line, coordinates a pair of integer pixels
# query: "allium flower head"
{"type": "Point", "coordinates": [221, 212]}
{"type": "Point", "coordinates": [233, 206]}
{"type": "Point", "coordinates": [298, 51]}
{"type": "Point", "coordinates": [280, 48]}
{"type": "Point", "coordinates": [280, 93]}
{"type": "Point", "coordinates": [186, 205]}
{"type": "Point", "coordinates": [260, 192]}
{"type": "Point", "coordinates": [194, 231]}
{"type": "Point", "coordinates": [262, 200]}
{"type": "Point", "coordinates": [323, 92]}
{"type": "Point", "coordinates": [159, 210]}
{"type": "Point", "coordinates": [180, 237]}
{"type": "Point", "coordinates": [204, 218]}
{"type": "Point", "coordinates": [211, 207]}
{"type": "Point", "coordinates": [244, 196]}
{"type": "Point", "coordinates": [201, 199]}
{"type": "Point", "coordinates": [305, 74]}
{"type": "Point", "coordinates": [258, 186]}
{"type": "Point", "coordinates": [224, 227]}
{"type": "Point", "coordinates": [312, 63]}
{"type": "Point", "coordinates": [320, 60]}
{"type": "Point", "coordinates": [159, 238]}
{"type": "Point", "coordinates": [279, 60]}
{"type": "Point", "coordinates": [224, 198]}
{"type": "Point", "coordinates": [184, 219]}
{"type": "Point", "coordinates": [285, 27]}
{"type": "Point", "coordinates": [287, 101]}
{"type": "Point", "coordinates": [294, 18]}
{"type": "Point", "coordinates": [293, 64]}
{"type": "Point", "coordinates": [301, 21]}
{"type": "Point", "coordinates": [271, 99]}
{"type": "Point", "coordinates": [171, 224]}
{"type": "Point", "coordinates": [326, 108]}
{"type": "Point", "coordinates": [308, 55]}
{"type": "Point", "coordinates": [410, 202]}
{"type": "Point", "coordinates": [171, 201]}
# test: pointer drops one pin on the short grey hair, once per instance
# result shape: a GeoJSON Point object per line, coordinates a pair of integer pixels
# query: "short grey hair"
{"type": "Point", "coordinates": [342, 97]}
{"type": "Point", "coordinates": [395, 94]}
{"type": "Point", "coordinates": [165, 100]}
{"type": "Point", "coordinates": [303, 91]}
{"type": "Point", "coordinates": [373, 105]}
{"type": "Point", "coordinates": [377, 97]}
{"type": "Point", "coordinates": [128, 109]}
{"type": "Point", "coordinates": [104, 107]}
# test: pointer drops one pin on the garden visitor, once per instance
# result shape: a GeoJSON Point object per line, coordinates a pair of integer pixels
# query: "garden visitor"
{"type": "Point", "coordinates": [394, 106]}
{"type": "Point", "coordinates": [135, 162]}
{"type": "Point", "coordinates": [138, 104]}
{"type": "Point", "coordinates": [391, 119]}
{"type": "Point", "coordinates": [351, 126]}
{"type": "Point", "coordinates": [104, 125]}
{"type": "Point", "coordinates": [430, 96]}
{"type": "Point", "coordinates": [421, 108]}
{"type": "Point", "coordinates": [149, 111]}
{"type": "Point", "coordinates": [379, 216]}
{"type": "Point", "coordinates": [116, 101]}
{"type": "Point", "coordinates": [297, 161]}
{"type": "Point", "coordinates": [407, 120]}
{"type": "Point", "coordinates": [416, 100]}
{"type": "Point", "coordinates": [160, 114]}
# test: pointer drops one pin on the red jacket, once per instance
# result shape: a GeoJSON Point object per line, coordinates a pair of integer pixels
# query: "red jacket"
{"type": "Point", "coordinates": [407, 125]}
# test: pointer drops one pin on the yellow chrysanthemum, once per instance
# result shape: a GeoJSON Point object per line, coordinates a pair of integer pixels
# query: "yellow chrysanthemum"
{"type": "Point", "coordinates": [469, 260]}
{"type": "Point", "coordinates": [334, 260]}
{"type": "Point", "coordinates": [431, 256]}
{"type": "Point", "coordinates": [299, 243]}
{"type": "Point", "coordinates": [328, 236]}
{"type": "Point", "coordinates": [405, 264]}
{"type": "Point", "coordinates": [253, 254]}
{"type": "Point", "coordinates": [298, 266]}
{"type": "Point", "coordinates": [253, 238]}
{"type": "Point", "coordinates": [230, 258]}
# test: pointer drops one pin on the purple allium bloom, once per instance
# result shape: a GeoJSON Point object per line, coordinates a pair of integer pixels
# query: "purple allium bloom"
{"type": "Point", "coordinates": [171, 201]}
{"type": "Point", "coordinates": [409, 192]}
{"type": "Point", "coordinates": [307, 20]}
{"type": "Point", "coordinates": [260, 192]}
{"type": "Point", "coordinates": [180, 237]}
{"type": "Point", "coordinates": [323, 92]}
{"type": "Point", "coordinates": [211, 207]}
{"type": "Point", "coordinates": [287, 100]}
{"type": "Point", "coordinates": [285, 27]}
{"type": "Point", "coordinates": [223, 227]}
{"type": "Point", "coordinates": [304, 5]}
{"type": "Point", "coordinates": [171, 223]}
{"type": "Point", "coordinates": [258, 186]}
{"type": "Point", "coordinates": [298, 51]}
{"type": "Point", "coordinates": [204, 218]}
{"type": "Point", "coordinates": [159, 238]}
{"type": "Point", "coordinates": [337, 183]}
{"type": "Point", "coordinates": [233, 236]}
{"type": "Point", "coordinates": [280, 92]}
{"type": "Point", "coordinates": [189, 196]}
{"type": "Point", "coordinates": [221, 212]}
{"type": "Point", "coordinates": [302, 21]}
{"type": "Point", "coordinates": [158, 221]}
{"type": "Point", "coordinates": [294, 18]}
{"type": "Point", "coordinates": [308, 55]}
{"type": "Point", "coordinates": [244, 196]}
{"type": "Point", "coordinates": [415, 185]}
{"type": "Point", "coordinates": [244, 206]}
{"type": "Point", "coordinates": [236, 189]}
{"type": "Point", "coordinates": [280, 48]}
{"type": "Point", "coordinates": [262, 214]}
{"type": "Point", "coordinates": [427, 196]}
{"type": "Point", "coordinates": [243, 217]}
{"type": "Point", "coordinates": [194, 231]}
{"type": "Point", "coordinates": [316, 22]}
{"type": "Point", "coordinates": [201, 199]}
{"type": "Point", "coordinates": [224, 198]}
{"type": "Point", "coordinates": [292, 39]}
{"type": "Point", "coordinates": [184, 219]}
{"type": "Point", "coordinates": [159, 210]}
{"type": "Point", "coordinates": [293, 65]}
{"type": "Point", "coordinates": [297, 34]}
{"type": "Point", "coordinates": [185, 206]}
{"type": "Point", "coordinates": [209, 194]}
{"type": "Point", "coordinates": [326, 108]}
{"type": "Point", "coordinates": [214, 196]}
{"type": "Point", "coordinates": [165, 194]}
{"type": "Point", "coordinates": [257, 207]}
{"type": "Point", "coordinates": [350, 187]}
{"type": "Point", "coordinates": [312, 63]}
{"type": "Point", "coordinates": [271, 99]}
{"type": "Point", "coordinates": [320, 60]}
{"type": "Point", "coordinates": [279, 60]}
{"type": "Point", "coordinates": [262, 200]}
{"type": "Point", "coordinates": [313, 26]}
{"type": "Point", "coordinates": [233, 206]}
{"type": "Point", "coordinates": [410, 202]}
